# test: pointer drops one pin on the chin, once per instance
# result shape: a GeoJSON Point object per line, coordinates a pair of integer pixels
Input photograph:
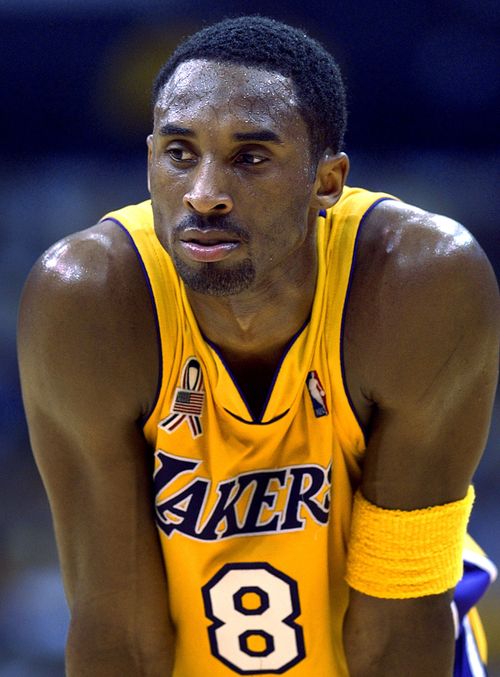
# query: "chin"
{"type": "Point", "coordinates": [214, 280]}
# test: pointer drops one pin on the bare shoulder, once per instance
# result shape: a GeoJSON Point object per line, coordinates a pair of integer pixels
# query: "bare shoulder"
{"type": "Point", "coordinates": [89, 262]}
{"type": "Point", "coordinates": [85, 311]}
{"type": "Point", "coordinates": [424, 287]}
{"type": "Point", "coordinates": [421, 354]}
{"type": "Point", "coordinates": [408, 242]}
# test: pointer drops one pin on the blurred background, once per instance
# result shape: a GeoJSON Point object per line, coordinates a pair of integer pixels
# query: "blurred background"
{"type": "Point", "coordinates": [423, 98]}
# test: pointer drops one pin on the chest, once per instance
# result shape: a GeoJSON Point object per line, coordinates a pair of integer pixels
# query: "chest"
{"type": "Point", "coordinates": [255, 378]}
{"type": "Point", "coordinates": [218, 476]}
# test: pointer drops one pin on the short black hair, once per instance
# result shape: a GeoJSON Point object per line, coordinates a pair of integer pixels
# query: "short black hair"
{"type": "Point", "coordinates": [276, 47]}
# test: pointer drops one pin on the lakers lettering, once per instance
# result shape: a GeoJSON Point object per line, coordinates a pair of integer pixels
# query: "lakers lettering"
{"type": "Point", "coordinates": [261, 501]}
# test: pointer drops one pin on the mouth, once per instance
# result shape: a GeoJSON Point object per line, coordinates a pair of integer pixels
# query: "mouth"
{"type": "Point", "coordinates": [208, 245]}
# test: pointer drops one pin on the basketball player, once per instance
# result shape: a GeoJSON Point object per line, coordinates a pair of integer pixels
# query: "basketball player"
{"type": "Point", "coordinates": [257, 402]}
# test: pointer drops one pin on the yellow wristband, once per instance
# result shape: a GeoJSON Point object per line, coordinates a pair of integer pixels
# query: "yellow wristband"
{"type": "Point", "coordinates": [399, 554]}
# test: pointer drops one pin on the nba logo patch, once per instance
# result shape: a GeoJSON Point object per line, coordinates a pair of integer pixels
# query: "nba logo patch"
{"type": "Point", "coordinates": [317, 394]}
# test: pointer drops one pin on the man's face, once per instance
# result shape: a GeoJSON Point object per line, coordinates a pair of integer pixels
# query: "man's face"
{"type": "Point", "coordinates": [230, 177]}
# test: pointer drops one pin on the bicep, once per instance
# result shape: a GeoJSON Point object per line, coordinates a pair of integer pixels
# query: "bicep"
{"type": "Point", "coordinates": [101, 501]}
{"type": "Point", "coordinates": [433, 385]}
{"type": "Point", "coordinates": [78, 390]}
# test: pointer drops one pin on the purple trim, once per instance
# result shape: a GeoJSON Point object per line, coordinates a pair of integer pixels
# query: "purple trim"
{"type": "Point", "coordinates": [144, 418]}
{"type": "Point", "coordinates": [344, 310]}
{"type": "Point", "coordinates": [258, 419]}
{"type": "Point", "coordinates": [273, 420]}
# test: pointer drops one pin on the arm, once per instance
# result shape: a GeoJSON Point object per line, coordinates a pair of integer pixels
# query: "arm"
{"type": "Point", "coordinates": [85, 385]}
{"type": "Point", "coordinates": [426, 373]}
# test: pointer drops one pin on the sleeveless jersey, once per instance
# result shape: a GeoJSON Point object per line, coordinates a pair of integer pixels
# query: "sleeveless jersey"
{"type": "Point", "coordinates": [254, 512]}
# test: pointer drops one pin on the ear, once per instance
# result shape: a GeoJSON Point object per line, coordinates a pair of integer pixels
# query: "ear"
{"type": "Point", "coordinates": [331, 175]}
{"type": "Point", "coordinates": [149, 142]}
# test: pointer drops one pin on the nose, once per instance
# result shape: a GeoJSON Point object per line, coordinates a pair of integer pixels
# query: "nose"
{"type": "Point", "coordinates": [206, 194]}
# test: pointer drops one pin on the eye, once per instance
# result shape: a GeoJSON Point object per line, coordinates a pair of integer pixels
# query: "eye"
{"type": "Point", "coordinates": [250, 159]}
{"type": "Point", "coordinates": [180, 154]}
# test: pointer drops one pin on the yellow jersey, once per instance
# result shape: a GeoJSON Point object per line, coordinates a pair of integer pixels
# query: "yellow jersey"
{"type": "Point", "coordinates": [254, 512]}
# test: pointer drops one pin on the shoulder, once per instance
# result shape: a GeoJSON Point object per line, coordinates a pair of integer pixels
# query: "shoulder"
{"type": "Point", "coordinates": [426, 258]}
{"type": "Point", "coordinates": [80, 277]}
{"type": "Point", "coordinates": [86, 260]}
{"type": "Point", "coordinates": [422, 289]}
{"type": "Point", "coordinates": [85, 310]}
{"type": "Point", "coordinates": [409, 240]}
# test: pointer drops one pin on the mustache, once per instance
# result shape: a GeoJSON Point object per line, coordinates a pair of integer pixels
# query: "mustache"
{"type": "Point", "coordinates": [224, 223]}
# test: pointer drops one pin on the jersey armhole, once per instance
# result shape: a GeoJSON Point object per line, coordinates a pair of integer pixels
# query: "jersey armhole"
{"type": "Point", "coordinates": [147, 415]}
{"type": "Point", "coordinates": [363, 428]}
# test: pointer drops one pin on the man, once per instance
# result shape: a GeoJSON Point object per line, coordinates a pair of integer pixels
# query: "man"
{"type": "Point", "coordinates": [288, 348]}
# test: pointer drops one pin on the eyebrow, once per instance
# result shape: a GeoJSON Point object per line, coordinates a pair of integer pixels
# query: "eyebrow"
{"type": "Point", "coordinates": [256, 135]}
{"type": "Point", "coordinates": [174, 130]}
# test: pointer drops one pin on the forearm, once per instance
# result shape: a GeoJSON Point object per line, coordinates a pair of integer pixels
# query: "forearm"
{"type": "Point", "coordinates": [115, 664]}
{"type": "Point", "coordinates": [399, 637]}
{"type": "Point", "coordinates": [114, 649]}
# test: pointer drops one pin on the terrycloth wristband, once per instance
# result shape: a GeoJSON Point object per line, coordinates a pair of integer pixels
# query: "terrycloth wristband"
{"type": "Point", "coordinates": [399, 554]}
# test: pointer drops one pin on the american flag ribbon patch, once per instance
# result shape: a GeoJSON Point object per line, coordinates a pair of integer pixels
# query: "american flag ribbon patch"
{"type": "Point", "coordinates": [187, 404]}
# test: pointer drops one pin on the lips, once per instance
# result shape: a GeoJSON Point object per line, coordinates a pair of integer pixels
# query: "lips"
{"type": "Point", "coordinates": [208, 245]}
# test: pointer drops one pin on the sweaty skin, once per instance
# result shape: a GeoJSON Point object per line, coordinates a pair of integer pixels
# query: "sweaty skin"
{"type": "Point", "coordinates": [420, 355]}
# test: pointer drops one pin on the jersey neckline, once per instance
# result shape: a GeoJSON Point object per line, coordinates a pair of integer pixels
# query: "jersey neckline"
{"type": "Point", "coordinates": [257, 418]}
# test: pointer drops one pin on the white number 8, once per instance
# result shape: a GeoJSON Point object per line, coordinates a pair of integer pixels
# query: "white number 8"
{"type": "Point", "coordinates": [253, 606]}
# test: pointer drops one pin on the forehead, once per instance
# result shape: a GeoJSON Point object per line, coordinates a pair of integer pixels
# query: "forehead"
{"type": "Point", "coordinates": [207, 88]}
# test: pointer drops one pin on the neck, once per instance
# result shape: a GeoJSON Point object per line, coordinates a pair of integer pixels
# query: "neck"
{"type": "Point", "coordinates": [260, 321]}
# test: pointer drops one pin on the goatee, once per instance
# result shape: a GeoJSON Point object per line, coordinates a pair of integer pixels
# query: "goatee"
{"type": "Point", "coordinates": [215, 278]}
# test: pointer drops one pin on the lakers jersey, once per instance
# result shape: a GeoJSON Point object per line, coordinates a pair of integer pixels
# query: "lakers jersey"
{"type": "Point", "coordinates": [254, 510]}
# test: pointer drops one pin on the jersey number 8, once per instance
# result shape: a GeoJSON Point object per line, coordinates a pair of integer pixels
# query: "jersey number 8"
{"type": "Point", "coordinates": [252, 607]}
